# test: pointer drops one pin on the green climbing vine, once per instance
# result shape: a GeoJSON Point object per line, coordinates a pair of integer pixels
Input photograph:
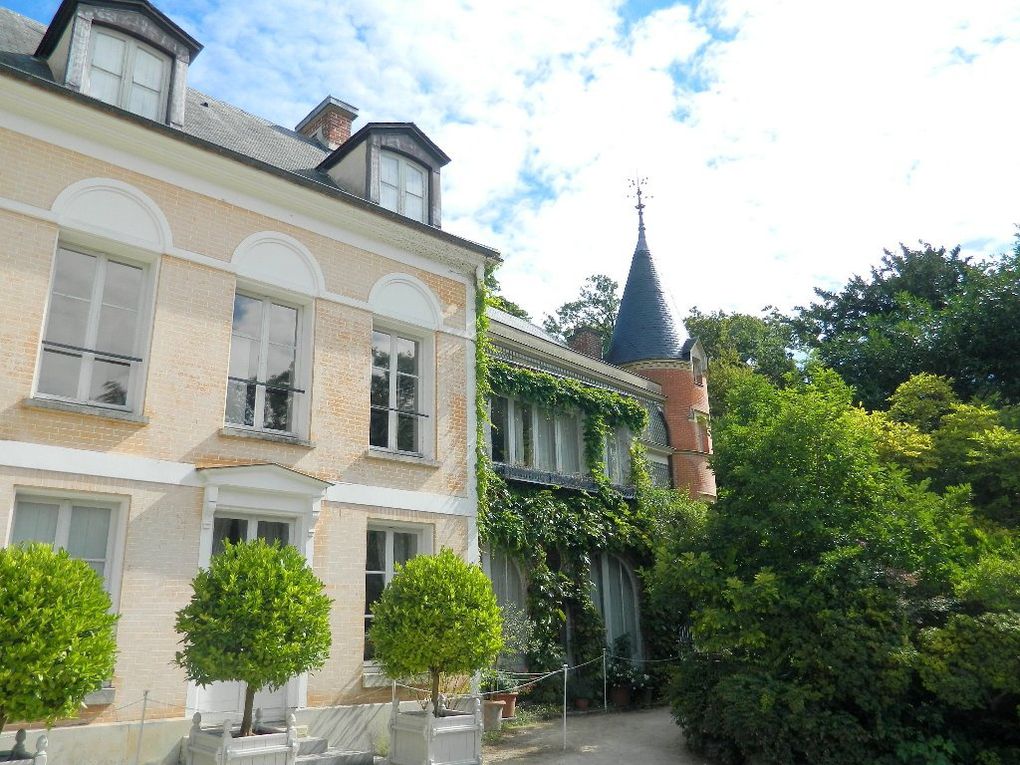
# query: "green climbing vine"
{"type": "Point", "coordinates": [554, 531]}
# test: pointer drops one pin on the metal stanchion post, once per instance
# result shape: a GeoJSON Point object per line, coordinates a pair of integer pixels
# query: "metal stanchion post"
{"type": "Point", "coordinates": [141, 728]}
{"type": "Point", "coordinates": [605, 683]}
{"type": "Point", "coordinates": [564, 707]}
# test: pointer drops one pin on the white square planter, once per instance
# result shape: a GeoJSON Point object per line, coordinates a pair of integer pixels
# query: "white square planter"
{"type": "Point", "coordinates": [217, 746]}
{"type": "Point", "coordinates": [419, 738]}
{"type": "Point", "coordinates": [20, 754]}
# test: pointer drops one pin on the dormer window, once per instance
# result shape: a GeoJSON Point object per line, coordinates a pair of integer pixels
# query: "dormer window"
{"type": "Point", "coordinates": [402, 186]}
{"type": "Point", "coordinates": [126, 72]}
{"type": "Point", "coordinates": [392, 164]}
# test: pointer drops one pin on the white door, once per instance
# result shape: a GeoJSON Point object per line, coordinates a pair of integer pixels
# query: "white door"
{"type": "Point", "coordinates": [220, 701]}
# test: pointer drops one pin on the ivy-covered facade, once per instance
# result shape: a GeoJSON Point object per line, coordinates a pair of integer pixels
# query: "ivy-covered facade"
{"type": "Point", "coordinates": [572, 449]}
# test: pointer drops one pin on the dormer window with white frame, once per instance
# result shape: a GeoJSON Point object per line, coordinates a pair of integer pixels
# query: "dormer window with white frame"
{"type": "Point", "coordinates": [126, 72]}
{"type": "Point", "coordinates": [403, 186]}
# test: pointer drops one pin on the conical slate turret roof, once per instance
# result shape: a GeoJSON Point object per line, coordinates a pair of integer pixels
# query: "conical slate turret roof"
{"type": "Point", "coordinates": [647, 326]}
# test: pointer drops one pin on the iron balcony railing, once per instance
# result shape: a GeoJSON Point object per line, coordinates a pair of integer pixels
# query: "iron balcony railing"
{"type": "Point", "coordinates": [551, 478]}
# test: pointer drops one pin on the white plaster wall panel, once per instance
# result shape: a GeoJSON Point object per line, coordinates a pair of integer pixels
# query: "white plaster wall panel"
{"type": "Point", "coordinates": [407, 299]}
{"type": "Point", "coordinates": [114, 210]}
{"type": "Point", "coordinates": [279, 260]}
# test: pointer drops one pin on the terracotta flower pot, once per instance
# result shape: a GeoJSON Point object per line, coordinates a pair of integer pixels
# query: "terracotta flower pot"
{"type": "Point", "coordinates": [510, 707]}
{"type": "Point", "coordinates": [581, 704]}
{"type": "Point", "coordinates": [620, 695]}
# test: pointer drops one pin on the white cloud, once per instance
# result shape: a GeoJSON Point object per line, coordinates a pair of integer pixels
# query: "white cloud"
{"type": "Point", "coordinates": [807, 138]}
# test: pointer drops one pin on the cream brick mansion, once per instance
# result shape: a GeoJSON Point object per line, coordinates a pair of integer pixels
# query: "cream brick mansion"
{"type": "Point", "coordinates": [217, 328]}
{"type": "Point", "coordinates": [214, 328]}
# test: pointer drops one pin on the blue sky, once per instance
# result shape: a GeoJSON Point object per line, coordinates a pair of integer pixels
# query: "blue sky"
{"type": "Point", "coordinates": [785, 143]}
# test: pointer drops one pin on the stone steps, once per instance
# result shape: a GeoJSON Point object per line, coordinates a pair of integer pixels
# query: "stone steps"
{"type": "Point", "coordinates": [337, 757]}
{"type": "Point", "coordinates": [315, 750]}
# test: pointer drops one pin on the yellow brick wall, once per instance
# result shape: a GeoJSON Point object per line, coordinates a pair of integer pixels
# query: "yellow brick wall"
{"type": "Point", "coordinates": [160, 557]}
{"type": "Point", "coordinates": [204, 224]}
{"type": "Point", "coordinates": [184, 396]}
{"type": "Point", "coordinates": [185, 387]}
{"type": "Point", "coordinates": [340, 562]}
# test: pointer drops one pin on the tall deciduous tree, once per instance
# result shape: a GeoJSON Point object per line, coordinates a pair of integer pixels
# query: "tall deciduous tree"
{"type": "Point", "coordinates": [495, 297]}
{"type": "Point", "coordinates": [257, 616]}
{"type": "Point", "coordinates": [829, 596]}
{"type": "Point", "coordinates": [595, 308]}
{"type": "Point", "coordinates": [739, 344]}
{"type": "Point", "coordinates": [922, 310]}
{"type": "Point", "coordinates": [56, 633]}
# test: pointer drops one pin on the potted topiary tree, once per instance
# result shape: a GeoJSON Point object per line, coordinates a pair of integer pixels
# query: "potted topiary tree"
{"type": "Point", "coordinates": [437, 617]}
{"type": "Point", "coordinates": [56, 637]}
{"type": "Point", "coordinates": [258, 616]}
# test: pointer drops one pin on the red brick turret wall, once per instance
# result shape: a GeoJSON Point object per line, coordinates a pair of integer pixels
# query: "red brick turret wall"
{"type": "Point", "coordinates": [690, 466]}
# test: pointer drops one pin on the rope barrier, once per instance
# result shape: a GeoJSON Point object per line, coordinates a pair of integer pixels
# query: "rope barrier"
{"type": "Point", "coordinates": [643, 661]}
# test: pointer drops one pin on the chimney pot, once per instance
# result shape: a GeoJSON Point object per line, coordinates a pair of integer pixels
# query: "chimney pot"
{"type": "Point", "coordinates": [329, 123]}
{"type": "Point", "coordinates": [586, 341]}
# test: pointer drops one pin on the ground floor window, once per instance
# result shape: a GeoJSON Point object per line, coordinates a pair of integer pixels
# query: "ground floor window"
{"type": "Point", "coordinates": [386, 548]}
{"type": "Point", "coordinates": [84, 528]}
{"type": "Point", "coordinates": [614, 591]}
{"type": "Point", "coordinates": [241, 527]}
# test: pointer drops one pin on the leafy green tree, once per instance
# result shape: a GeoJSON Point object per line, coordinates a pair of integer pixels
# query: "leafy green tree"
{"type": "Point", "coordinates": [923, 400]}
{"type": "Point", "coordinates": [56, 635]}
{"type": "Point", "coordinates": [925, 310]}
{"type": "Point", "coordinates": [814, 590]}
{"type": "Point", "coordinates": [738, 344]}
{"type": "Point", "coordinates": [497, 299]}
{"type": "Point", "coordinates": [257, 616]}
{"type": "Point", "coordinates": [596, 308]}
{"type": "Point", "coordinates": [437, 616]}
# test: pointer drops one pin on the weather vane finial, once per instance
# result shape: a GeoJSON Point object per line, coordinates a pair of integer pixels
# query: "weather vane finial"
{"type": "Point", "coordinates": [637, 184]}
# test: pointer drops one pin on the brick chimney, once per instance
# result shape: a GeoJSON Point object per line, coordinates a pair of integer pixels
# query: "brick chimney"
{"type": "Point", "coordinates": [586, 340]}
{"type": "Point", "coordinates": [329, 123]}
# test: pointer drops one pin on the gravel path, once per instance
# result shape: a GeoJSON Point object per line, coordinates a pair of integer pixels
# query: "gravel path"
{"type": "Point", "coordinates": [647, 737]}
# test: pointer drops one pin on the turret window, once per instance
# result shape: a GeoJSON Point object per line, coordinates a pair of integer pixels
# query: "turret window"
{"type": "Point", "coordinates": [126, 72]}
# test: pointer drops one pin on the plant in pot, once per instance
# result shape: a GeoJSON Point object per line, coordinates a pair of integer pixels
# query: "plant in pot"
{"type": "Point", "coordinates": [518, 633]}
{"type": "Point", "coordinates": [620, 675]}
{"type": "Point", "coordinates": [437, 617]}
{"type": "Point", "coordinates": [643, 687]}
{"type": "Point", "coordinates": [257, 616]}
{"type": "Point", "coordinates": [583, 691]}
{"type": "Point", "coordinates": [56, 638]}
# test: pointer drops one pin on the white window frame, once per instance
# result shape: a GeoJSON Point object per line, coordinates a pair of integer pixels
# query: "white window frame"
{"type": "Point", "coordinates": [421, 531]}
{"type": "Point", "coordinates": [561, 438]}
{"type": "Point", "coordinates": [131, 45]}
{"type": "Point", "coordinates": [660, 459]}
{"type": "Point", "coordinates": [402, 163]}
{"type": "Point", "coordinates": [607, 606]}
{"type": "Point", "coordinates": [302, 362]}
{"type": "Point", "coordinates": [426, 389]}
{"type": "Point", "coordinates": [253, 519]}
{"type": "Point", "coordinates": [620, 436]}
{"type": "Point", "coordinates": [118, 507]}
{"type": "Point", "coordinates": [702, 423]}
{"type": "Point", "coordinates": [143, 333]}
{"type": "Point", "coordinates": [698, 370]}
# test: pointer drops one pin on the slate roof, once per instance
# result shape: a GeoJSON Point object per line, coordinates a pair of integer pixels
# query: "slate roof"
{"type": "Point", "coordinates": [19, 37]}
{"type": "Point", "coordinates": [204, 117]}
{"type": "Point", "coordinates": [647, 325]}
{"type": "Point", "coordinates": [520, 324]}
